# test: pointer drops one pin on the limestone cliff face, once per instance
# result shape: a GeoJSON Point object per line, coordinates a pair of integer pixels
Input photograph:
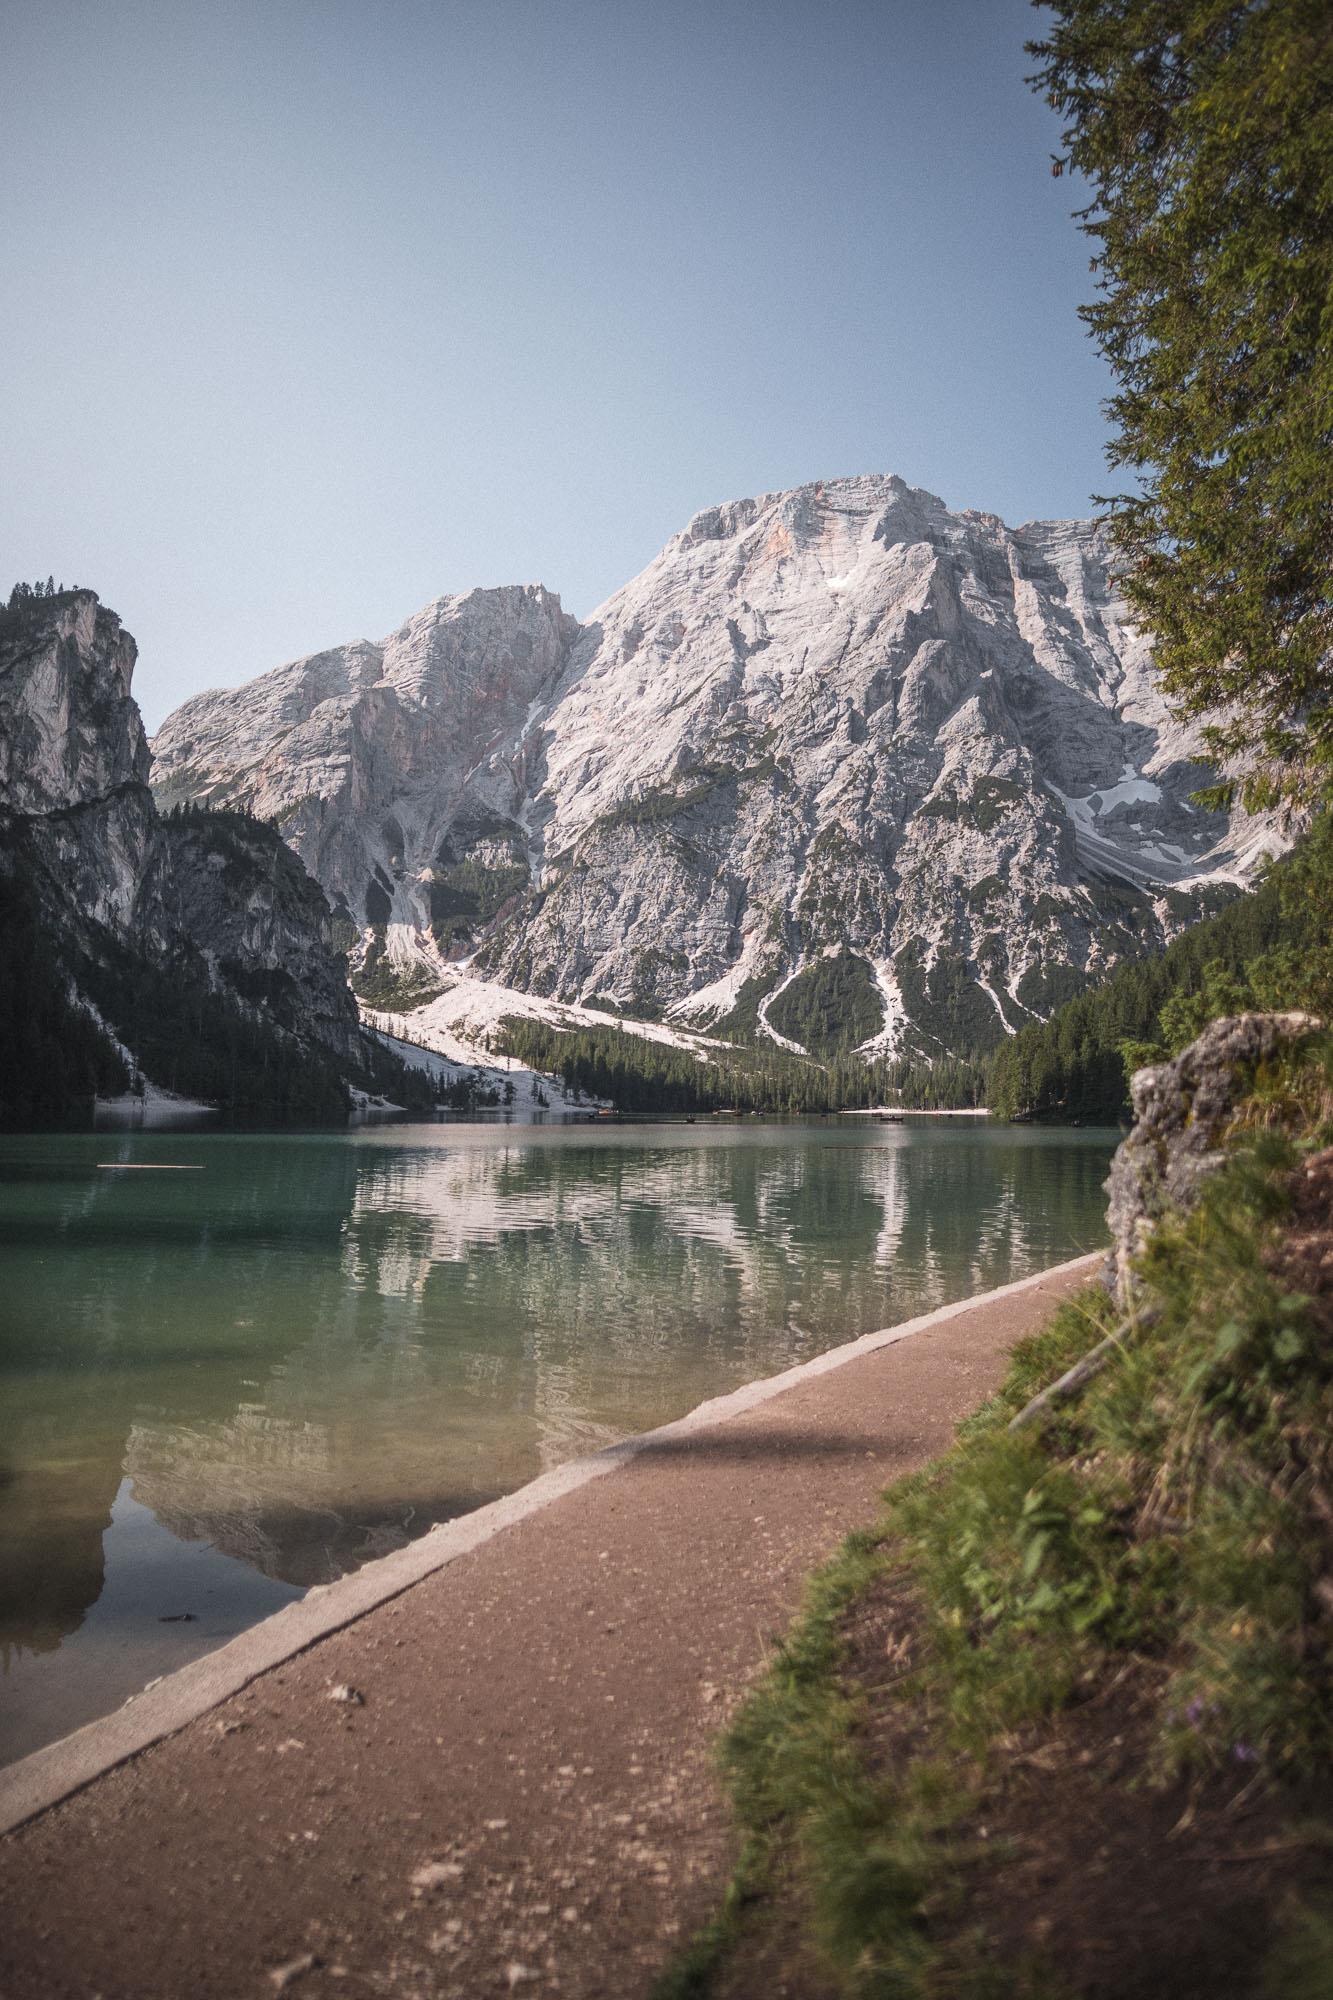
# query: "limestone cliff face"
{"type": "Point", "coordinates": [373, 759]}
{"type": "Point", "coordinates": [77, 816]}
{"type": "Point", "coordinates": [839, 719]}
{"type": "Point", "coordinates": [74, 760]}
{"type": "Point", "coordinates": [240, 896]}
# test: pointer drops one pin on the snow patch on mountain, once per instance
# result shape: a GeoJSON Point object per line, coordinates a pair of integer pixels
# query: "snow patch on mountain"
{"type": "Point", "coordinates": [463, 1023]}
{"type": "Point", "coordinates": [888, 1042]}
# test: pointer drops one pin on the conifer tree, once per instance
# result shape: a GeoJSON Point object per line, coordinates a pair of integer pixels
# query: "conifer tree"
{"type": "Point", "coordinates": [1205, 131]}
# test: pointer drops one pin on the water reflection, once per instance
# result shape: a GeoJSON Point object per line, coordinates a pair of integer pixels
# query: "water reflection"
{"type": "Point", "coordinates": [317, 1346]}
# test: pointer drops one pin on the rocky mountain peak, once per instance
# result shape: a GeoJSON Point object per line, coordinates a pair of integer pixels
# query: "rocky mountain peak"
{"type": "Point", "coordinates": [365, 755]}
{"type": "Point", "coordinates": [839, 726]}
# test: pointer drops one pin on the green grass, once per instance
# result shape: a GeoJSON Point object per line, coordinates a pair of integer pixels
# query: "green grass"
{"type": "Point", "coordinates": [1168, 1523]}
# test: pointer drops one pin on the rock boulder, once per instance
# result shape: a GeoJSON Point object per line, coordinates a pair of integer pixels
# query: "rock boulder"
{"type": "Point", "coordinates": [1182, 1112]}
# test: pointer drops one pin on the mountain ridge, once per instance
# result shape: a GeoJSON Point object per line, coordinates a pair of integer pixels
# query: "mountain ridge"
{"type": "Point", "coordinates": [842, 718]}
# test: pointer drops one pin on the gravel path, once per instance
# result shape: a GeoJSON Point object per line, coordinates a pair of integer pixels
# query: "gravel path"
{"type": "Point", "coordinates": [518, 1797]}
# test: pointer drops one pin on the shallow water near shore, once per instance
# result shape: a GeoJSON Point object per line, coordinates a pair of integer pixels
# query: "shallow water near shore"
{"type": "Point", "coordinates": [222, 1385]}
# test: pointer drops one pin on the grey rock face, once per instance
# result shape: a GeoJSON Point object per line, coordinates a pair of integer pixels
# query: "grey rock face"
{"type": "Point", "coordinates": [73, 757]}
{"type": "Point", "coordinates": [843, 716]}
{"type": "Point", "coordinates": [378, 760]}
{"type": "Point", "coordinates": [240, 896]}
{"type": "Point", "coordinates": [77, 816]}
{"type": "Point", "coordinates": [69, 725]}
{"type": "Point", "coordinates": [1182, 1110]}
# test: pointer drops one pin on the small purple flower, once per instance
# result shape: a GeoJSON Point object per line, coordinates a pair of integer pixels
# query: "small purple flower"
{"type": "Point", "coordinates": [1245, 1753]}
{"type": "Point", "coordinates": [1195, 1711]}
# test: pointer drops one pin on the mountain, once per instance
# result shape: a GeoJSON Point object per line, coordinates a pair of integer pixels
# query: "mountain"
{"type": "Point", "coordinates": [197, 942]}
{"type": "Point", "coordinates": [840, 765]}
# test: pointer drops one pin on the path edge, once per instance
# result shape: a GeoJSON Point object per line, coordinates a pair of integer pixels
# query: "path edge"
{"type": "Point", "coordinates": [47, 1776]}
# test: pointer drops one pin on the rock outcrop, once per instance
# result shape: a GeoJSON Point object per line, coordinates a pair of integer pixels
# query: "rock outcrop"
{"type": "Point", "coordinates": [1183, 1110]}
{"type": "Point", "coordinates": [840, 720]}
{"type": "Point", "coordinates": [77, 820]}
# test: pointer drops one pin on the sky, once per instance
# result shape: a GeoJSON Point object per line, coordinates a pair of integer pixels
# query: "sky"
{"type": "Point", "coordinates": [315, 310]}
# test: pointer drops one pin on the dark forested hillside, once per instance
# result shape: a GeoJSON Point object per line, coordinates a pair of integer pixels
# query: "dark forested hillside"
{"type": "Point", "coordinates": [189, 1035]}
{"type": "Point", "coordinates": [1270, 948]}
{"type": "Point", "coordinates": [54, 1059]}
{"type": "Point", "coordinates": [829, 1007]}
{"type": "Point", "coordinates": [190, 949]}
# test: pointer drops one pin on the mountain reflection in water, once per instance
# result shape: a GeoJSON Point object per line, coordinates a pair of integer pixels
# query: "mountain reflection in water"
{"type": "Point", "coordinates": [312, 1350]}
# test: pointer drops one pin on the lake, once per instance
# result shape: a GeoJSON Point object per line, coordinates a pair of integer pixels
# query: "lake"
{"type": "Point", "coordinates": [290, 1353]}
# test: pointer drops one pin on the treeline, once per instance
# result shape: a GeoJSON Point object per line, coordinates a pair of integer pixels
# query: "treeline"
{"type": "Point", "coordinates": [950, 1083]}
{"type": "Point", "coordinates": [28, 602]}
{"type": "Point", "coordinates": [33, 593]}
{"type": "Point", "coordinates": [468, 1090]}
{"type": "Point", "coordinates": [1270, 948]}
{"type": "Point", "coordinates": [192, 812]}
{"type": "Point", "coordinates": [830, 1007]}
{"type": "Point", "coordinates": [472, 1092]}
{"type": "Point", "coordinates": [638, 1075]}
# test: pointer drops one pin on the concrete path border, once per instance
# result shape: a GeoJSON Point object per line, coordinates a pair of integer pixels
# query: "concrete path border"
{"type": "Point", "coordinates": [49, 1775]}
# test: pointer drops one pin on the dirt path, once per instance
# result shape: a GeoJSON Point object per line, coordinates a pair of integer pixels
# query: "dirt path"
{"type": "Point", "coordinates": [521, 1798]}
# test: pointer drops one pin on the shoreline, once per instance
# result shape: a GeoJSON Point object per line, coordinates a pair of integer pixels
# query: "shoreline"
{"type": "Point", "coordinates": [503, 1776]}
{"type": "Point", "coordinates": [33, 1784]}
{"type": "Point", "coordinates": [914, 1111]}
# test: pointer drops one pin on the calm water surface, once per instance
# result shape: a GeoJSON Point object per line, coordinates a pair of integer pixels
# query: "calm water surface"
{"type": "Point", "coordinates": [220, 1386]}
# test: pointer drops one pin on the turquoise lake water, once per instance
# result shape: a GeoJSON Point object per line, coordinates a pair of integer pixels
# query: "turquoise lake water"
{"type": "Point", "coordinates": [224, 1383]}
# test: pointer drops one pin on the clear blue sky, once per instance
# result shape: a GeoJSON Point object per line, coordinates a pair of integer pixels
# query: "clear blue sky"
{"type": "Point", "coordinates": [316, 309]}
